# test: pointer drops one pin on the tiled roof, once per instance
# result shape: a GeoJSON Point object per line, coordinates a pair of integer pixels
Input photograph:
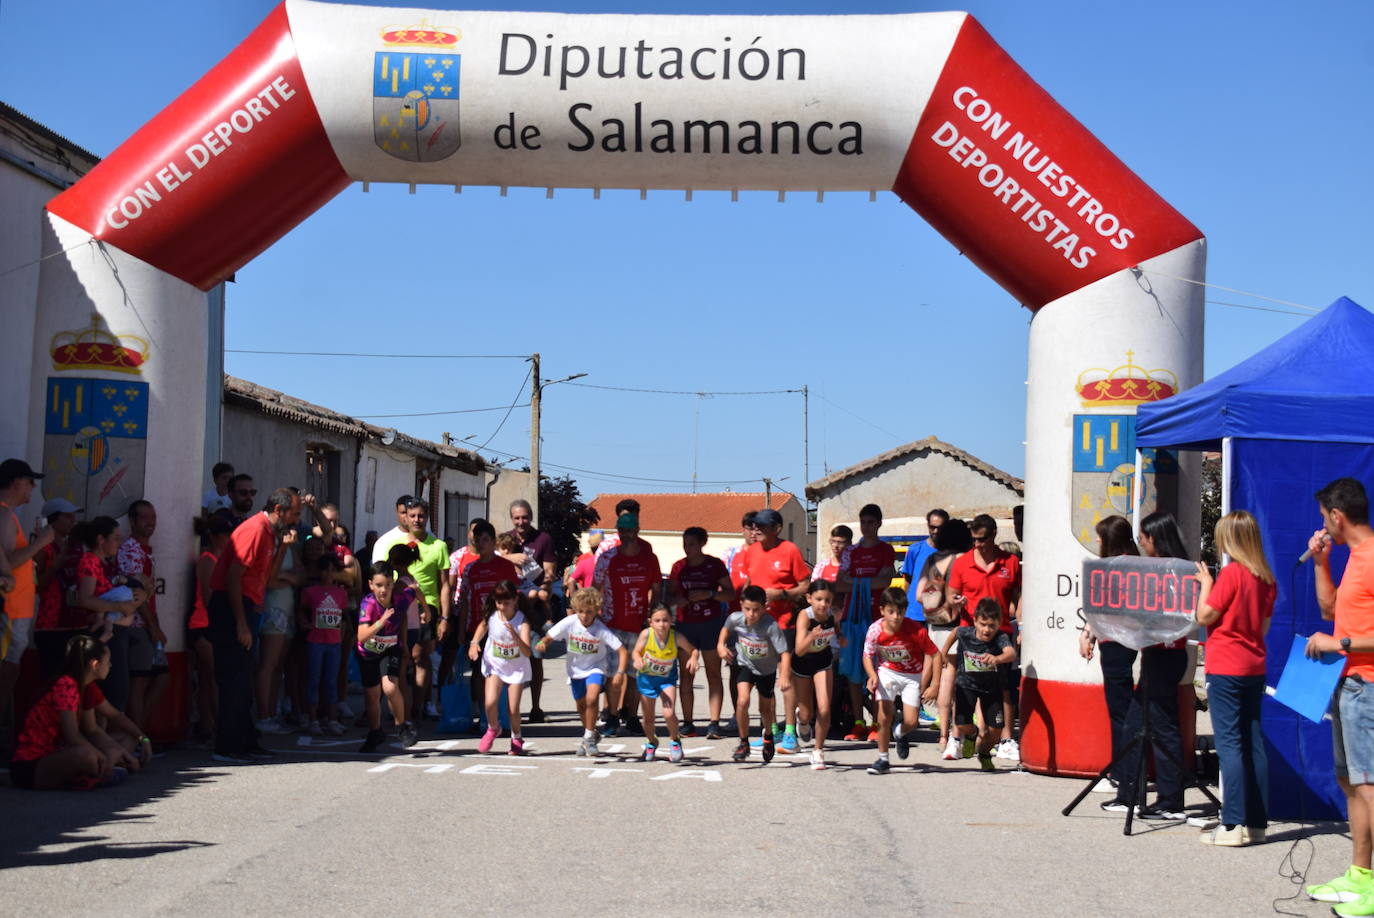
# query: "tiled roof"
{"type": "Point", "coordinates": [930, 444]}
{"type": "Point", "coordinates": [718, 512]}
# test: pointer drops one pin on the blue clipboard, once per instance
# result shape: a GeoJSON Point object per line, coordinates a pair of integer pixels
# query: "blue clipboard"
{"type": "Point", "coordinates": [1306, 685]}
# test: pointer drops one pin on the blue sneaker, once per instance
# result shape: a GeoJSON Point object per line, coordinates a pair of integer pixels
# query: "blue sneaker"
{"type": "Point", "coordinates": [788, 744]}
{"type": "Point", "coordinates": [926, 719]}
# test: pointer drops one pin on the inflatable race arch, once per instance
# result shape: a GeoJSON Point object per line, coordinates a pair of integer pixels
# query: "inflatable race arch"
{"type": "Point", "coordinates": [926, 105]}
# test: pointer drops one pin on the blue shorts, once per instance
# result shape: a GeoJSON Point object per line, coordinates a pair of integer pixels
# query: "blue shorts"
{"type": "Point", "coordinates": [652, 686]}
{"type": "Point", "coordinates": [1352, 731]}
{"type": "Point", "coordinates": [579, 686]}
{"type": "Point", "coordinates": [703, 635]}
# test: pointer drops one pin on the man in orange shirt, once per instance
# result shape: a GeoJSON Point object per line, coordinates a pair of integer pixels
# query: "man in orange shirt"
{"type": "Point", "coordinates": [777, 566]}
{"type": "Point", "coordinates": [17, 481]}
{"type": "Point", "coordinates": [237, 587]}
{"type": "Point", "coordinates": [1345, 517]}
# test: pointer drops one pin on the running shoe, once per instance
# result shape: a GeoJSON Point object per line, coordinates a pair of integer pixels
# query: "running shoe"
{"type": "Point", "coordinates": [344, 712]}
{"type": "Point", "coordinates": [804, 732]}
{"type": "Point", "coordinates": [859, 732]}
{"type": "Point", "coordinates": [903, 746]}
{"type": "Point", "coordinates": [967, 748]}
{"type": "Point", "coordinates": [315, 729]}
{"type": "Point", "coordinates": [650, 751]}
{"type": "Point", "coordinates": [1009, 750]}
{"type": "Point", "coordinates": [769, 747]}
{"type": "Point", "coordinates": [789, 744]}
{"type": "Point", "coordinates": [484, 744]}
{"type": "Point", "coordinates": [431, 712]}
{"type": "Point", "coordinates": [333, 728]}
{"type": "Point", "coordinates": [1361, 906]}
{"type": "Point", "coordinates": [1114, 806]}
{"type": "Point", "coordinates": [925, 719]}
{"type": "Point", "coordinates": [536, 716]}
{"type": "Point", "coordinates": [1347, 887]}
{"type": "Point", "coordinates": [374, 739]}
{"type": "Point", "coordinates": [517, 746]}
{"type": "Point", "coordinates": [582, 747]}
{"type": "Point", "coordinates": [1160, 813]}
{"type": "Point", "coordinates": [713, 730]}
{"type": "Point", "coordinates": [873, 732]}
{"type": "Point", "coordinates": [817, 760]}
{"type": "Point", "coordinates": [985, 761]}
{"type": "Point", "coordinates": [230, 758]}
{"type": "Point", "coordinates": [880, 767]}
{"type": "Point", "coordinates": [633, 726]}
{"type": "Point", "coordinates": [675, 751]}
{"type": "Point", "coordinates": [610, 725]}
{"type": "Point", "coordinates": [741, 751]}
{"type": "Point", "coordinates": [272, 726]}
{"type": "Point", "coordinates": [407, 735]}
{"type": "Point", "coordinates": [592, 748]}
{"type": "Point", "coordinates": [261, 753]}
{"type": "Point", "coordinates": [1105, 786]}
{"type": "Point", "coordinates": [688, 729]}
{"type": "Point", "coordinates": [1233, 837]}
{"type": "Point", "coordinates": [951, 749]}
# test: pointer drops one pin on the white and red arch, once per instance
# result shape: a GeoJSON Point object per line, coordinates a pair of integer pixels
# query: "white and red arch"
{"type": "Point", "coordinates": [926, 105]}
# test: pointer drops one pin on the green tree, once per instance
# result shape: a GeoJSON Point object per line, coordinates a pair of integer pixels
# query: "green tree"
{"type": "Point", "coordinates": [1211, 506]}
{"type": "Point", "coordinates": [564, 516]}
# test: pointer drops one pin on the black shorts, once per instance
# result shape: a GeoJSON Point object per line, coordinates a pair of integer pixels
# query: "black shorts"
{"type": "Point", "coordinates": [372, 669]}
{"type": "Point", "coordinates": [809, 664]}
{"type": "Point", "coordinates": [23, 773]}
{"type": "Point", "coordinates": [966, 698]}
{"type": "Point", "coordinates": [764, 684]}
{"type": "Point", "coordinates": [197, 634]}
{"type": "Point", "coordinates": [419, 635]}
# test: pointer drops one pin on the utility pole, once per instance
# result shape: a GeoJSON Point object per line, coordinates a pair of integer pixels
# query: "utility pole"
{"type": "Point", "coordinates": [535, 394]}
{"type": "Point", "coordinates": [806, 435]}
{"type": "Point", "coordinates": [768, 493]}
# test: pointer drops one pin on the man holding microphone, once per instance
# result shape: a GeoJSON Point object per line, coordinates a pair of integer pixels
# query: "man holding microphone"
{"type": "Point", "coordinates": [1345, 515]}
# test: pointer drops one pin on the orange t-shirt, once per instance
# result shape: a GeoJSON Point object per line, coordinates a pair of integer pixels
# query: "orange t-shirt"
{"type": "Point", "coordinates": [778, 568]}
{"type": "Point", "coordinates": [1355, 608]}
{"type": "Point", "coordinates": [19, 601]}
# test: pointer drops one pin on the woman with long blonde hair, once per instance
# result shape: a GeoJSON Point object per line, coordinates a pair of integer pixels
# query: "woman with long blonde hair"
{"type": "Point", "coordinates": [1236, 609]}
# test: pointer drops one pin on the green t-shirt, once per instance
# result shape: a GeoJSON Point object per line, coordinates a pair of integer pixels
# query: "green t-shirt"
{"type": "Point", "coordinates": [432, 565]}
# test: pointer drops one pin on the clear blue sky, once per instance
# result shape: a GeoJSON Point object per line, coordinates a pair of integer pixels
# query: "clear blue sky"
{"type": "Point", "coordinates": [1252, 119]}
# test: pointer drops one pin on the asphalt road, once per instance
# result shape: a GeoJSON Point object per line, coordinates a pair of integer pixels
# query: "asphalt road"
{"type": "Point", "coordinates": [442, 830]}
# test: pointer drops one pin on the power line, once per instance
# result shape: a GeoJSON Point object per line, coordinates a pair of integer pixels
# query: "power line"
{"type": "Point", "coordinates": [519, 392]}
{"type": "Point", "coordinates": [237, 350]}
{"type": "Point", "coordinates": [858, 417]}
{"type": "Point", "coordinates": [430, 414]}
{"type": "Point", "coordinates": [613, 476]}
{"type": "Point", "coordinates": [682, 391]}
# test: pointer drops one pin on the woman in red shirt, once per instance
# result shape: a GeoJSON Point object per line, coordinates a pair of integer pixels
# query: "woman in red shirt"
{"type": "Point", "coordinates": [1237, 609]}
{"type": "Point", "coordinates": [61, 744]}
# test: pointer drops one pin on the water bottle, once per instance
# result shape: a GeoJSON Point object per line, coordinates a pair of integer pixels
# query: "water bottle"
{"type": "Point", "coordinates": [159, 656]}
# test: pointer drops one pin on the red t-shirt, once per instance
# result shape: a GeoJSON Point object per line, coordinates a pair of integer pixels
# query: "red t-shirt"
{"type": "Point", "coordinates": [1235, 644]}
{"type": "Point", "coordinates": [42, 732]}
{"type": "Point", "coordinates": [705, 576]}
{"type": "Point", "coordinates": [324, 607]}
{"type": "Point", "coordinates": [737, 557]}
{"type": "Point", "coordinates": [905, 651]}
{"type": "Point", "coordinates": [630, 580]}
{"type": "Point", "coordinates": [50, 600]}
{"type": "Point", "coordinates": [583, 569]}
{"type": "Point", "coordinates": [781, 567]}
{"type": "Point", "coordinates": [480, 578]}
{"type": "Point", "coordinates": [866, 561]}
{"type": "Point", "coordinates": [252, 544]}
{"type": "Point", "coordinates": [1001, 581]}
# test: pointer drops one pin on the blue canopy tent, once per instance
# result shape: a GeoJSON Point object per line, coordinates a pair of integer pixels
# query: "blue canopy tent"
{"type": "Point", "coordinates": [1287, 421]}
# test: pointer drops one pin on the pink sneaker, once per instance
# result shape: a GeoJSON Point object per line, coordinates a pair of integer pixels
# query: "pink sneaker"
{"type": "Point", "coordinates": [517, 746]}
{"type": "Point", "coordinates": [484, 744]}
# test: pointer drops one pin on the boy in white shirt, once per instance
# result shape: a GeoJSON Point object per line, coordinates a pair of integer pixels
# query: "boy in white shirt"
{"type": "Point", "coordinates": [590, 644]}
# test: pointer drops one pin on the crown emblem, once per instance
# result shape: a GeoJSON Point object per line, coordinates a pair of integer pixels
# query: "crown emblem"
{"type": "Point", "coordinates": [420, 36]}
{"type": "Point", "coordinates": [95, 348]}
{"type": "Point", "coordinates": [1126, 386]}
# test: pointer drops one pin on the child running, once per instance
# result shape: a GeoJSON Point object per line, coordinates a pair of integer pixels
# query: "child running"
{"type": "Point", "coordinates": [381, 653]}
{"type": "Point", "coordinates": [590, 643]}
{"type": "Point", "coordinates": [908, 669]}
{"type": "Point", "coordinates": [813, 663]}
{"type": "Point", "coordinates": [319, 618]}
{"type": "Point", "coordinates": [760, 659]}
{"type": "Point", "coordinates": [655, 660]}
{"type": "Point", "coordinates": [505, 662]}
{"type": "Point", "coordinates": [976, 651]}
